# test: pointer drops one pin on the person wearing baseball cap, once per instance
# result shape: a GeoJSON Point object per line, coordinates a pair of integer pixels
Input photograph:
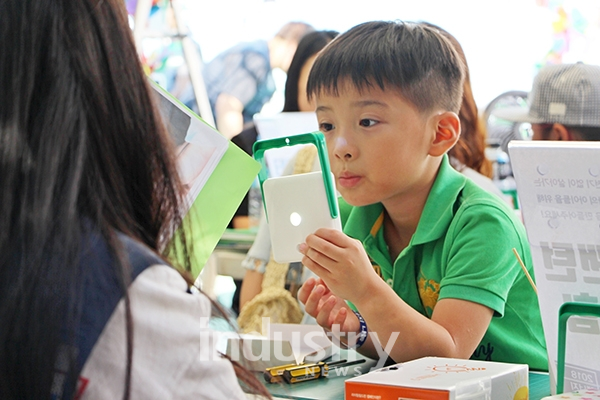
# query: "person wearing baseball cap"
{"type": "Point", "coordinates": [564, 103]}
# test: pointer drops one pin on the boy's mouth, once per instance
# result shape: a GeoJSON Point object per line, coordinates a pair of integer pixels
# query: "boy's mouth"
{"type": "Point", "coordinates": [348, 180]}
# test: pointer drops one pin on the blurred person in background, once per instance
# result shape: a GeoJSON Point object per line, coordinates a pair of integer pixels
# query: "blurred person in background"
{"type": "Point", "coordinates": [239, 81]}
{"type": "Point", "coordinates": [563, 104]}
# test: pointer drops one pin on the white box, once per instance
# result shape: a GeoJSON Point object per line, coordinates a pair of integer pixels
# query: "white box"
{"type": "Point", "coordinates": [442, 378]}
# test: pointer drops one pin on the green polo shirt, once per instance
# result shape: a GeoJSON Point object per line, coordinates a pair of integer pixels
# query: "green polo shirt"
{"type": "Point", "coordinates": [462, 249]}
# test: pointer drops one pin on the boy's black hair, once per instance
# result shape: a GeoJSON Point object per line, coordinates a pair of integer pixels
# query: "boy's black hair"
{"type": "Point", "coordinates": [411, 57]}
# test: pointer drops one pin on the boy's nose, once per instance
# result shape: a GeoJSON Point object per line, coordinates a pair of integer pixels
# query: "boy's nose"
{"type": "Point", "coordinates": [342, 148]}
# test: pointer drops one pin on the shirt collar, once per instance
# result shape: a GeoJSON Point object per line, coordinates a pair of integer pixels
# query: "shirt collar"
{"type": "Point", "coordinates": [439, 207]}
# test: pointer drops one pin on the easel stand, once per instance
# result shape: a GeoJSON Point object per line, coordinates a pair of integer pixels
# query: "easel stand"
{"type": "Point", "coordinates": [191, 54]}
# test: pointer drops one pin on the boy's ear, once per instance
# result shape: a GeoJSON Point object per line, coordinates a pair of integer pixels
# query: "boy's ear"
{"type": "Point", "coordinates": [447, 132]}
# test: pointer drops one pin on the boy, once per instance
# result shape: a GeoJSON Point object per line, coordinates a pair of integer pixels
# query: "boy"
{"type": "Point", "coordinates": [426, 255]}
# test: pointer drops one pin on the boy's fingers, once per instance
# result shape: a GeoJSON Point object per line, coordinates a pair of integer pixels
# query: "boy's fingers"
{"type": "Point", "coordinates": [320, 251]}
{"type": "Point", "coordinates": [311, 305]}
{"type": "Point", "coordinates": [324, 315]}
{"type": "Point", "coordinates": [331, 235]}
{"type": "Point", "coordinates": [306, 289]}
{"type": "Point", "coordinates": [340, 317]}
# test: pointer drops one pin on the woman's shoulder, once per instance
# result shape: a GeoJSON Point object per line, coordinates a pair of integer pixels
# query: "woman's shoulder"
{"type": "Point", "coordinates": [174, 348]}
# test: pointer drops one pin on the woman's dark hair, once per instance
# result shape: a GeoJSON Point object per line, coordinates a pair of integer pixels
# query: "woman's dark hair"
{"type": "Point", "coordinates": [409, 57]}
{"type": "Point", "coordinates": [310, 45]}
{"type": "Point", "coordinates": [81, 145]}
{"type": "Point", "coordinates": [470, 148]}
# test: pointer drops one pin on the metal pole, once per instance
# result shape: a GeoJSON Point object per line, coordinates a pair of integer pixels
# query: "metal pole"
{"type": "Point", "coordinates": [194, 64]}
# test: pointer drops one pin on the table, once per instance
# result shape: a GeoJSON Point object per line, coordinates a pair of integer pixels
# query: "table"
{"type": "Point", "coordinates": [539, 385]}
{"type": "Point", "coordinates": [332, 387]}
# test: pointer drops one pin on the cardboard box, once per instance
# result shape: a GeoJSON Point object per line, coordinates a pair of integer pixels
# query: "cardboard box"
{"type": "Point", "coordinates": [283, 344]}
{"type": "Point", "coordinates": [442, 378]}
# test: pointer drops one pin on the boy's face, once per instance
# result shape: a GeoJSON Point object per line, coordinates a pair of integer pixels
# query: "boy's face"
{"type": "Point", "coordinates": [378, 144]}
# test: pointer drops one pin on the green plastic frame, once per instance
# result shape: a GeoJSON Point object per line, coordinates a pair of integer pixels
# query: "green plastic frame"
{"type": "Point", "coordinates": [316, 138]}
{"type": "Point", "coordinates": [566, 311]}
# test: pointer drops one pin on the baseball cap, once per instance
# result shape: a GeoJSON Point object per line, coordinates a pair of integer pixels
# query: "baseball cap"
{"type": "Point", "coordinates": [567, 94]}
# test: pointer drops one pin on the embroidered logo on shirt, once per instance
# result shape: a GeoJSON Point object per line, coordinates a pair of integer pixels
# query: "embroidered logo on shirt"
{"type": "Point", "coordinates": [429, 291]}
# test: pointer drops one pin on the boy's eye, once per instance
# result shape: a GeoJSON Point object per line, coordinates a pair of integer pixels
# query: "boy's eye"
{"type": "Point", "coordinates": [367, 122]}
{"type": "Point", "coordinates": [325, 127]}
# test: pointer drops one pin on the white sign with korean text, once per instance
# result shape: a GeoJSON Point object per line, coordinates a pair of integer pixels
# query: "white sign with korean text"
{"type": "Point", "coordinates": [558, 184]}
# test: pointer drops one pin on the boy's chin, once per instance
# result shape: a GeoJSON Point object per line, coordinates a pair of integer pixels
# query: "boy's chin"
{"type": "Point", "coordinates": [357, 202]}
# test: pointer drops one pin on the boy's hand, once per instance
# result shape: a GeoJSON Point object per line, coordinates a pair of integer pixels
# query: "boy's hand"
{"type": "Point", "coordinates": [340, 261]}
{"type": "Point", "coordinates": [327, 308]}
